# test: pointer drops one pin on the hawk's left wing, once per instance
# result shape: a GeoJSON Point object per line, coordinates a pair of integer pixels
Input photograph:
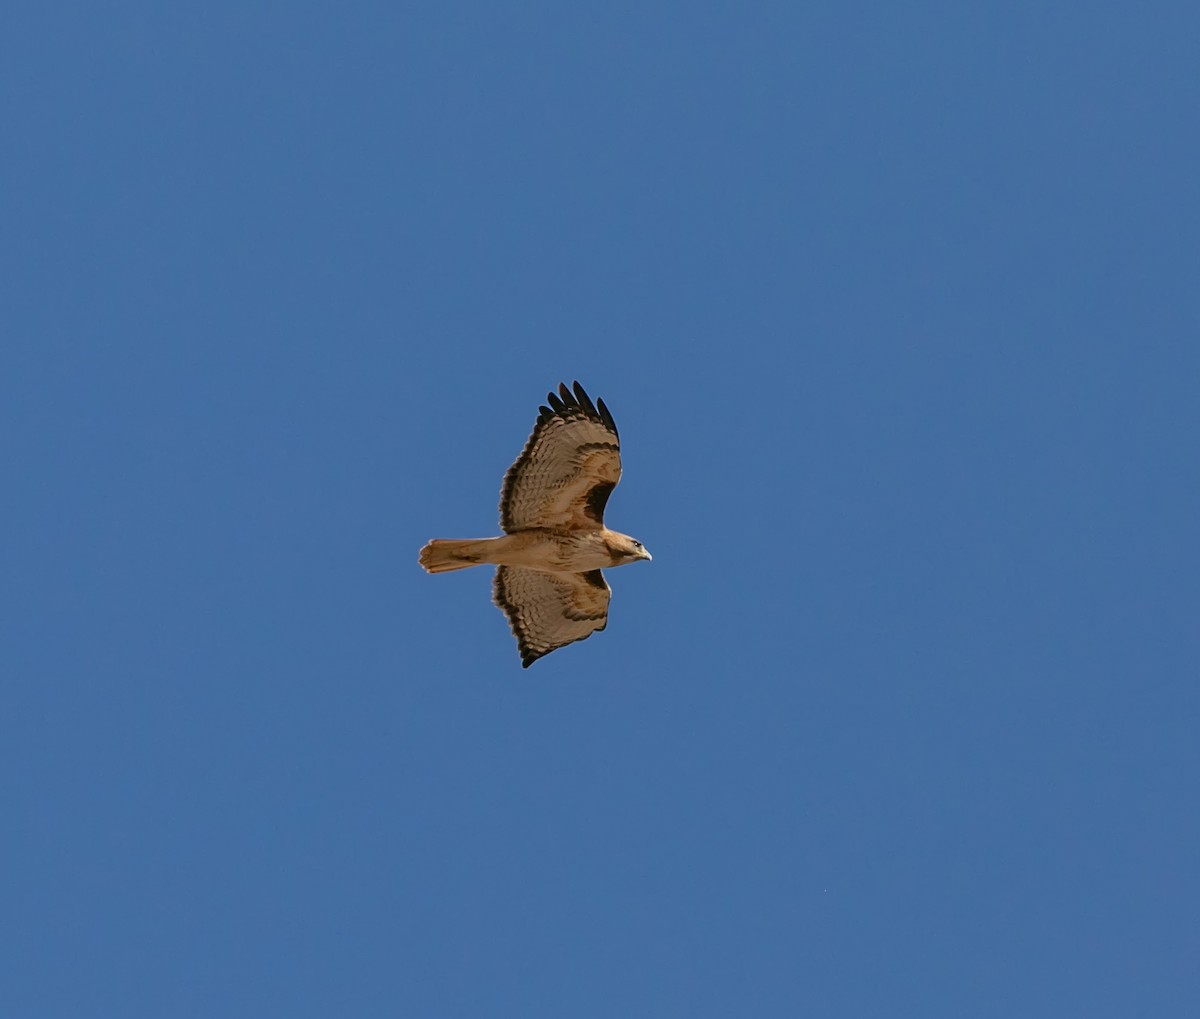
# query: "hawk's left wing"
{"type": "Point", "coordinates": [549, 610]}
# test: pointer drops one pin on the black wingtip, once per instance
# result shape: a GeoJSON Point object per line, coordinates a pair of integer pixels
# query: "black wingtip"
{"type": "Point", "coordinates": [606, 417]}
{"type": "Point", "coordinates": [572, 402]}
{"type": "Point", "coordinates": [585, 401]}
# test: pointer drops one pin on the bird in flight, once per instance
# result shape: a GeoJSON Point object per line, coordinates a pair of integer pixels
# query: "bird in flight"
{"type": "Point", "coordinates": [548, 582]}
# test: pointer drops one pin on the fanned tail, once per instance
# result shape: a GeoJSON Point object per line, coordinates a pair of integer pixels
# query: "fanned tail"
{"type": "Point", "coordinates": [442, 555]}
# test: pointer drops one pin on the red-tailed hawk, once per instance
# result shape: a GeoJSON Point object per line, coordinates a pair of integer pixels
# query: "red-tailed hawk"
{"type": "Point", "coordinates": [555, 544]}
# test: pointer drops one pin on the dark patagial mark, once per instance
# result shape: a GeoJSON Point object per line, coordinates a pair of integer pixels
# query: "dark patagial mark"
{"type": "Point", "coordinates": [596, 579]}
{"type": "Point", "coordinates": [597, 499]}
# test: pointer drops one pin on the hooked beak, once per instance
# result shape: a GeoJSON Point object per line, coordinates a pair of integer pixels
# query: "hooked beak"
{"type": "Point", "coordinates": [646, 555]}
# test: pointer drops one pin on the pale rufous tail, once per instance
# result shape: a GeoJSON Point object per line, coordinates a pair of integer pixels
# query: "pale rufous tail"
{"type": "Point", "coordinates": [442, 555]}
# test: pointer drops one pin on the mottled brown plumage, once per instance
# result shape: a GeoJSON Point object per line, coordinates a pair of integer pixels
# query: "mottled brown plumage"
{"type": "Point", "coordinates": [555, 544]}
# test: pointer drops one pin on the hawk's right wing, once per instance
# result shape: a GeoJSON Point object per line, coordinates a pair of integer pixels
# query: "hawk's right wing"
{"type": "Point", "coordinates": [549, 610]}
{"type": "Point", "coordinates": [568, 468]}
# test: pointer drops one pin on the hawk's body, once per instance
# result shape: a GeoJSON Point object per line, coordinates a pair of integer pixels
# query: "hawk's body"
{"type": "Point", "coordinates": [555, 543]}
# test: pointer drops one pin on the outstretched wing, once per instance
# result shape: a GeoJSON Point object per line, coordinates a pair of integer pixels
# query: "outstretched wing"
{"type": "Point", "coordinates": [569, 466]}
{"type": "Point", "coordinates": [548, 610]}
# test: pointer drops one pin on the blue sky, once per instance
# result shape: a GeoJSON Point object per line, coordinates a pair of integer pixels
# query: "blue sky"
{"type": "Point", "coordinates": [896, 307]}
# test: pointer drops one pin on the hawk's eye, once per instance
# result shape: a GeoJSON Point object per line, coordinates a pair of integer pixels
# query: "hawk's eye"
{"type": "Point", "coordinates": [637, 544]}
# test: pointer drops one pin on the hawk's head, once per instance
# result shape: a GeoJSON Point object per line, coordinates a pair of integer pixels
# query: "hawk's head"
{"type": "Point", "coordinates": [624, 549]}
